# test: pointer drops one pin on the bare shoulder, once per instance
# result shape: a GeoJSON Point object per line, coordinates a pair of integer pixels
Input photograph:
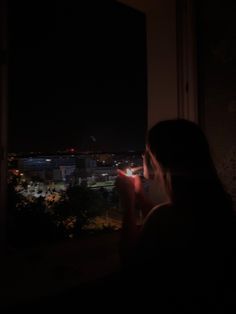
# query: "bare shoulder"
{"type": "Point", "coordinates": [158, 219]}
{"type": "Point", "coordinates": [167, 223]}
{"type": "Point", "coordinates": [160, 213]}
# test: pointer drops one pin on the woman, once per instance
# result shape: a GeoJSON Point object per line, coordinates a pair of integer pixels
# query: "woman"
{"type": "Point", "coordinates": [185, 246]}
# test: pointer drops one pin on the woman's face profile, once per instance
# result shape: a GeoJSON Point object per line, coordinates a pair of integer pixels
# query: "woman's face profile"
{"type": "Point", "coordinates": [148, 170]}
{"type": "Point", "coordinates": [145, 165]}
{"type": "Point", "coordinates": [151, 167]}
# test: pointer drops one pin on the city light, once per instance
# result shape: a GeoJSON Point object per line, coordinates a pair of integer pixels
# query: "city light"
{"type": "Point", "coordinates": [93, 171]}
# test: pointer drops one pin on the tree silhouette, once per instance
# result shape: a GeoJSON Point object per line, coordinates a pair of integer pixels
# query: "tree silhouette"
{"type": "Point", "coordinates": [82, 203]}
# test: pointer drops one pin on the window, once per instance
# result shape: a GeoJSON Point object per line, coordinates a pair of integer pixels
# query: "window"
{"type": "Point", "coordinates": [77, 86]}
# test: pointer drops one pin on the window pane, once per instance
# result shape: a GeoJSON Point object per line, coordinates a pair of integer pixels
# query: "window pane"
{"type": "Point", "coordinates": [77, 89]}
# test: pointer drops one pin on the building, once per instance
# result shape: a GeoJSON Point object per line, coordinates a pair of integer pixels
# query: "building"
{"type": "Point", "coordinates": [56, 167]}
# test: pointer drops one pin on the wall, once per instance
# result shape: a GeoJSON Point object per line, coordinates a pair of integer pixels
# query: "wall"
{"type": "Point", "coordinates": [217, 77]}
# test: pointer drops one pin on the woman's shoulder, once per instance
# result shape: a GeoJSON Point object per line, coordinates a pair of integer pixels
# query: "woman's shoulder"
{"type": "Point", "coordinates": [158, 219]}
{"type": "Point", "coordinates": [167, 222]}
{"type": "Point", "coordinates": [160, 212]}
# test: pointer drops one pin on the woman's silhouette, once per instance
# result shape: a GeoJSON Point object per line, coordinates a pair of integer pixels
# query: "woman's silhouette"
{"type": "Point", "coordinates": [185, 246]}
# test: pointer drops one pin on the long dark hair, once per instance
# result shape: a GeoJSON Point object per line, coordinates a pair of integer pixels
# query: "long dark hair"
{"type": "Point", "coordinates": [182, 151]}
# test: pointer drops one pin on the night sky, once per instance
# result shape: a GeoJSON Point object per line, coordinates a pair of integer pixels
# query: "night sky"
{"type": "Point", "coordinates": [76, 70]}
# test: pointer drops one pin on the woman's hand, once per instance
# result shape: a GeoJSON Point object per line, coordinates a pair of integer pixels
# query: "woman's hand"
{"type": "Point", "coordinates": [132, 194]}
{"type": "Point", "coordinates": [126, 188]}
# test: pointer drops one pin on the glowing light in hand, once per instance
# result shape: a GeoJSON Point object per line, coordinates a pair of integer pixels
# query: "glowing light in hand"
{"type": "Point", "coordinates": [129, 173]}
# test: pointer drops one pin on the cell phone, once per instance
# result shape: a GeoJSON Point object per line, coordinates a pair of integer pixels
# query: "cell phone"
{"type": "Point", "coordinates": [131, 171]}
